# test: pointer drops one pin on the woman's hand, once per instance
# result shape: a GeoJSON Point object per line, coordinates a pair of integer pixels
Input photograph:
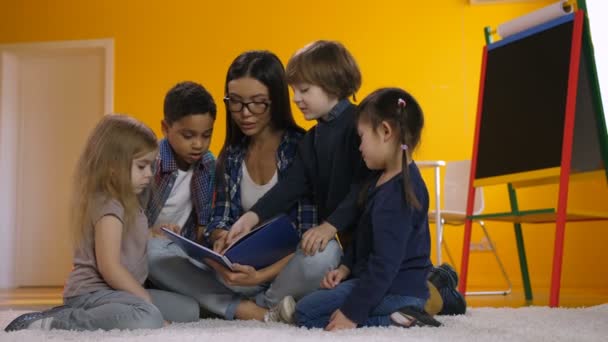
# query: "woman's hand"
{"type": "Point", "coordinates": [241, 275]}
{"type": "Point", "coordinates": [335, 277]}
{"type": "Point", "coordinates": [316, 239]}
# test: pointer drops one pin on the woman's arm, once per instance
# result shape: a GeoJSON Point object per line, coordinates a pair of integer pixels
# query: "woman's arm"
{"type": "Point", "coordinates": [270, 272]}
{"type": "Point", "coordinates": [244, 275]}
{"type": "Point", "coordinates": [108, 236]}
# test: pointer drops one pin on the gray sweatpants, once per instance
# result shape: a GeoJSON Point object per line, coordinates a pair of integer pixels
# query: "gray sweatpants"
{"type": "Point", "coordinates": [171, 269]}
{"type": "Point", "coordinates": [110, 309]}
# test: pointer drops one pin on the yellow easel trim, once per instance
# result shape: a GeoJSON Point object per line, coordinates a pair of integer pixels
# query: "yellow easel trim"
{"type": "Point", "coordinates": [588, 175]}
{"type": "Point", "coordinates": [520, 177]}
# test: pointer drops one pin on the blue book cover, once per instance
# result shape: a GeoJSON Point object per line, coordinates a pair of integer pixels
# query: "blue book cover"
{"type": "Point", "coordinates": [261, 247]}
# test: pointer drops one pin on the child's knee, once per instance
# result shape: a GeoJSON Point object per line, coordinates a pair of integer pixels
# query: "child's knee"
{"type": "Point", "coordinates": [147, 316]}
{"type": "Point", "coordinates": [333, 253]}
{"type": "Point", "coordinates": [323, 261]}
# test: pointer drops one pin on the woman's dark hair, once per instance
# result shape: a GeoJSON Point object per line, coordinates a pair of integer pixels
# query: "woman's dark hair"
{"type": "Point", "coordinates": [265, 67]}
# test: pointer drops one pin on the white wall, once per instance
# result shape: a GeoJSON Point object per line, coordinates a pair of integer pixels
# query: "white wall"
{"type": "Point", "coordinates": [598, 20]}
{"type": "Point", "coordinates": [61, 99]}
{"type": "Point", "coordinates": [33, 245]}
{"type": "Point", "coordinates": [8, 168]}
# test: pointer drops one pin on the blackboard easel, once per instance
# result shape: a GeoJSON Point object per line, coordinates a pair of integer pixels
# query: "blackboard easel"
{"type": "Point", "coordinates": [539, 121]}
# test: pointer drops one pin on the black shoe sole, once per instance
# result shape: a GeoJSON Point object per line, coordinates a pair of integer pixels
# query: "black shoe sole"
{"type": "Point", "coordinates": [456, 305]}
{"type": "Point", "coordinates": [421, 318]}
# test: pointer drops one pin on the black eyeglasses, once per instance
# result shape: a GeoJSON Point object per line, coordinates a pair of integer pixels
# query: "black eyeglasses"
{"type": "Point", "coordinates": [254, 107]}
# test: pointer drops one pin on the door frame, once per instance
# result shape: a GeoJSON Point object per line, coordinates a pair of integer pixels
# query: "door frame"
{"type": "Point", "coordinates": [106, 44]}
{"type": "Point", "coordinates": [10, 135]}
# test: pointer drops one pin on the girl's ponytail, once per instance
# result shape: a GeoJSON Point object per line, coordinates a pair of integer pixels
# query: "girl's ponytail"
{"type": "Point", "coordinates": [408, 191]}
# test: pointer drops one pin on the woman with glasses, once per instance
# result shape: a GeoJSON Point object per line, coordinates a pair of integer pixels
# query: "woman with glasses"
{"type": "Point", "coordinates": [261, 143]}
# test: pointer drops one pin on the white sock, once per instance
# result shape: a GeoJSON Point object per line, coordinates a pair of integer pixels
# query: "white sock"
{"type": "Point", "coordinates": [399, 319]}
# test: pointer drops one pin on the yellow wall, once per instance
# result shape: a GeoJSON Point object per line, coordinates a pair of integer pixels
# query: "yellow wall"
{"type": "Point", "coordinates": [432, 48]}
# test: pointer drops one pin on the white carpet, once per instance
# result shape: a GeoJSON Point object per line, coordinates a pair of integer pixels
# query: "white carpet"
{"type": "Point", "coordinates": [482, 324]}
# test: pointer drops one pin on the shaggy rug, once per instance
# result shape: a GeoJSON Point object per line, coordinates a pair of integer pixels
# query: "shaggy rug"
{"type": "Point", "coordinates": [479, 324]}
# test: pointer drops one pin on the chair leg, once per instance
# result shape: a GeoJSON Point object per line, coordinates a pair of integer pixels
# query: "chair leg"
{"type": "Point", "coordinates": [445, 245]}
{"type": "Point", "coordinates": [447, 251]}
{"type": "Point", "coordinates": [500, 265]}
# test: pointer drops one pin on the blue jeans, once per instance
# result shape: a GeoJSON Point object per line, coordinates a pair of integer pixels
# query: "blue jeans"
{"type": "Point", "coordinates": [172, 270]}
{"type": "Point", "coordinates": [110, 309]}
{"type": "Point", "coordinates": [314, 310]}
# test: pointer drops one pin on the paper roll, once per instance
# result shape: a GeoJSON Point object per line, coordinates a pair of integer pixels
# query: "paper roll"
{"type": "Point", "coordinates": [535, 18]}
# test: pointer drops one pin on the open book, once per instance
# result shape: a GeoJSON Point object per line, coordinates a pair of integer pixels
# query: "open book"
{"type": "Point", "coordinates": [262, 246]}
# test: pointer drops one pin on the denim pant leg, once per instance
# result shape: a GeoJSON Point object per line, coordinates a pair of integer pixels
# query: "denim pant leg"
{"type": "Point", "coordinates": [241, 292]}
{"type": "Point", "coordinates": [302, 275]}
{"type": "Point", "coordinates": [314, 310]}
{"type": "Point", "coordinates": [107, 310]}
{"type": "Point", "coordinates": [380, 316]}
{"type": "Point", "coordinates": [175, 307]}
{"type": "Point", "coordinates": [170, 269]}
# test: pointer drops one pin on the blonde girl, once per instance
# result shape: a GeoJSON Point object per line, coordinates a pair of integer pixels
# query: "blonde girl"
{"type": "Point", "coordinates": [110, 233]}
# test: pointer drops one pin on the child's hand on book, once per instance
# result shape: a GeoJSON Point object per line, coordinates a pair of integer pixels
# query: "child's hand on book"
{"type": "Point", "coordinates": [156, 232]}
{"type": "Point", "coordinates": [335, 277]}
{"type": "Point", "coordinates": [242, 226]}
{"type": "Point", "coordinates": [316, 239]}
{"type": "Point", "coordinates": [219, 240]}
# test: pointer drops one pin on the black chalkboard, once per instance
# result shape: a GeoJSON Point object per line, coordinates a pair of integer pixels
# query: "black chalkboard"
{"type": "Point", "coordinates": [524, 105]}
{"type": "Point", "coordinates": [524, 102]}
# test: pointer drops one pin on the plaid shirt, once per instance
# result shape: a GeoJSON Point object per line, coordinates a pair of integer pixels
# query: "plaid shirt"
{"type": "Point", "coordinates": [201, 189]}
{"type": "Point", "coordinates": [228, 207]}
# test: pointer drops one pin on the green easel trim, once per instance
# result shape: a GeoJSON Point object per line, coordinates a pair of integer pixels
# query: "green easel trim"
{"type": "Point", "coordinates": [511, 213]}
{"type": "Point", "coordinates": [487, 32]}
{"type": "Point", "coordinates": [521, 249]}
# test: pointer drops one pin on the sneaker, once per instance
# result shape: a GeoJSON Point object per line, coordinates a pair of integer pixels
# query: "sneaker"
{"type": "Point", "coordinates": [34, 320]}
{"type": "Point", "coordinates": [410, 316]}
{"type": "Point", "coordinates": [282, 312]}
{"type": "Point", "coordinates": [25, 321]}
{"type": "Point", "coordinates": [444, 276]}
{"type": "Point", "coordinates": [445, 279]}
{"type": "Point", "coordinates": [453, 302]}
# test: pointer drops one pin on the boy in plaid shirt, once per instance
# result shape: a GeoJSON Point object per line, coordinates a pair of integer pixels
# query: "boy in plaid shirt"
{"type": "Point", "coordinates": [182, 189]}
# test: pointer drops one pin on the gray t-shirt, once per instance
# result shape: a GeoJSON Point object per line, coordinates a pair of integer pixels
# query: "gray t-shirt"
{"type": "Point", "coordinates": [85, 277]}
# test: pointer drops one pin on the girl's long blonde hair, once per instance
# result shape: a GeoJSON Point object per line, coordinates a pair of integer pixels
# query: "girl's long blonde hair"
{"type": "Point", "coordinates": [104, 168]}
